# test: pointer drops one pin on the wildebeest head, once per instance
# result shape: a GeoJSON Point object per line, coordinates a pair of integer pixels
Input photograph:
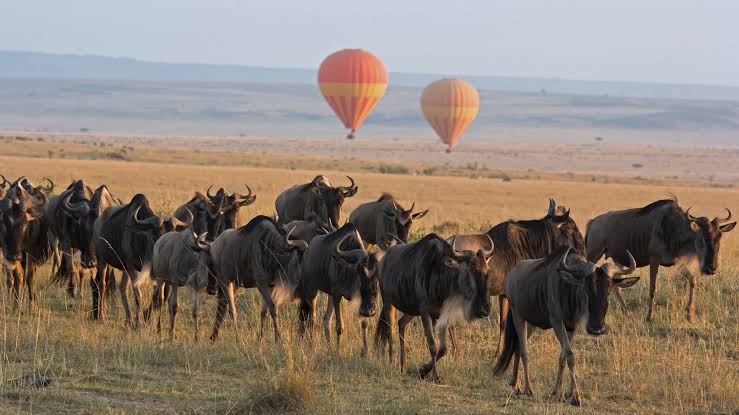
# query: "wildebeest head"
{"type": "Point", "coordinates": [82, 214]}
{"type": "Point", "coordinates": [568, 233]}
{"type": "Point", "coordinates": [364, 267]}
{"type": "Point", "coordinates": [472, 277]}
{"type": "Point", "coordinates": [597, 283]}
{"type": "Point", "coordinates": [18, 209]}
{"type": "Point", "coordinates": [398, 220]}
{"type": "Point", "coordinates": [200, 274]}
{"type": "Point", "coordinates": [332, 199]}
{"type": "Point", "coordinates": [227, 208]}
{"type": "Point", "coordinates": [708, 239]}
{"type": "Point", "coordinates": [144, 227]}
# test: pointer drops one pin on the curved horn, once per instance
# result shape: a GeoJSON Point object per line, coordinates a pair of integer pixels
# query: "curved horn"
{"type": "Point", "coordinates": [247, 199]}
{"type": "Point", "coordinates": [215, 210]}
{"type": "Point", "coordinates": [726, 219]}
{"type": "Point", "coordinates": [5, 181]}
{"type": "Point", "coordinates": [200, 243]}
{"type": "Point", "coordinates": [615, 269]}
{"type": "Point", "coordinates": [581, 269]}
{"type": "Point", "coordinates": [152, 221]}
{"type": "Point", "coordinates": [247, 196]}
{"type": "Point", "coordinates": [489, 252]}
{"type": "Point", "coordinates": [207, 193]}
{"type": "Point", "coordinates": [186, 223]}
{"type": "Point", "coordinates": [79, 208]}
{"type": "Point", "coordinates": [354, 253]}
{"type": "Point", "coordinates": [459, 255]}
{"type": "Point", "coordinates": [552, 207]}
{"type": "Point", "coordinates": [50, 187]}
{"type": "Point", "coordinates": [298, 243]}
{"type": "Point", "coordinates": [349, 190]}
{"type": "Point", "coordinates": [413, 206]}
{"type": "Point", "coordinates": [40, 201]}
{"type": "Point", "coordinates": [687, 212]}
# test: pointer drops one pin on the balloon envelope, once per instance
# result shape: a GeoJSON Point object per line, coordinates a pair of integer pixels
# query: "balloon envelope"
{"type": "Point", "coordinates": [352, 81]}
{"type": "Point", "coordinates": [449, 106]}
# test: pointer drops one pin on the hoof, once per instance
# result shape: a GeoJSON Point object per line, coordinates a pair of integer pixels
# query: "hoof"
{"type": "Point", "coordinates": [575, 402]}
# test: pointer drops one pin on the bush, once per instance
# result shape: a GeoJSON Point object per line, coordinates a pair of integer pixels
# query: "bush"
{"type": "Point", "coordinates": [393, 169]}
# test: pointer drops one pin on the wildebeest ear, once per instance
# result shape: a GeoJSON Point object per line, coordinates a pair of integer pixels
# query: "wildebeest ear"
{"type": "Point", "coordinates": [419, 215]}
{"type": "Point", "coordinates": [452, 263]}
{"type": "Point", "coordinates": [571, 279]}
{"type": "Point", "coordinates": [694, 226]}
{"type": "Point", "coordinates": [728, 227]}
{"type": "Point", "coordinates": [625, 282]}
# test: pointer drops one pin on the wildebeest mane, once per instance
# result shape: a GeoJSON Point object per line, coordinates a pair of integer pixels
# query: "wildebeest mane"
{"type": "Point", "coordinates": [265, 236]}
{"type": "Point", "coordinates": [516, 241]}
{"type": "Point", "coordinates": [385, 196]}
{"type": "Point", "coordinates": [655, 205]}
{"type": "Point", "coordinates": [424, 264]}
{"type": "Point", "coordinates": [552, 258]}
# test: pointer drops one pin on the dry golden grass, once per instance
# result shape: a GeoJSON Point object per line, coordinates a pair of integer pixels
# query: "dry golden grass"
{"type": "Point", "coordinates": [668, 366]}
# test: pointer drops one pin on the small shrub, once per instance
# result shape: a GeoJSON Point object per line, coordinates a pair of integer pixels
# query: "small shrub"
{"type": "Point", "coordinates": [392, 169]}
{"type": "Point", "coordinates": [637, 165]}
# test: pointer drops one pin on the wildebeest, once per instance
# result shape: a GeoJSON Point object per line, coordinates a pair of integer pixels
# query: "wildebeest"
{"type": "Point", "coordinates": [516, 241]}
{"type": "Point", "coordinates": [376, 219]}
{"type": "Point", "coordinates": [561, 292]}
{"type": "Point", "coordinates": [432, 279]}
{"type": "Point", "coordinates": [124, 239]}
{"type": "Point", "coordinates": [25, 237]}
{"type": "Point", "coordinates": [230, 204]}
{"type": "Point", "coordinates": [338, 265]}
{"type": "Point", "coordinates": [306, 230]}
{"type": "Point", "coordinates": [318, 197]}
{"type": "Point", "coordinates": [198, 212]}
{"type": "Point", "coordinates": [660, 233]}
{"type": "Point", "coordinates": [181, 259]}
{"type": "Point", "coordinates": [259, 254]}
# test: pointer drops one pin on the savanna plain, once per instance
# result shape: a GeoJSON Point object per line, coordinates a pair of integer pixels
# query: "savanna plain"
{"type": "Point", "coordinates": [667, 366]}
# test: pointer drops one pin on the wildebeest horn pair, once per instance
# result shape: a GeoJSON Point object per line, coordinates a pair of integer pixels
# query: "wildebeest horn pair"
{"type": "Point", "coordinates": [80, 209]}
{"type": "Point", "coordinates": [300, 244]}
{"type": "Point", "coordinates": [355, 254]}
{"type": "Point", "coordinates": [350, 190]}
{"type": "Point", "coordinates": [50, 187]}
{"type": "Point", "coordinates": [487, 253]}
{"type": "Point", "coordinates": [716, 219]}
{"type": "Point", "coordinates": [581, 269]}
{"type": "Point", "coordinates": [614, 269]}
{"type": "Point", "coordinates": [5, 181]}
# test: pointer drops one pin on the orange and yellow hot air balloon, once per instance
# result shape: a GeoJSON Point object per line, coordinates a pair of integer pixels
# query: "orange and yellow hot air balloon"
{"type": "Point", "coordinates": [352, 81]}
{"type": "Point", "coordinates": [449, 106]}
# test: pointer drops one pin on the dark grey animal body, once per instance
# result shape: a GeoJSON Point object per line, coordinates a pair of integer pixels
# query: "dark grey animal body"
{"type": "Point", "coordinates": [431, 279]}
{"type": "Point", "coordinates": [659, 234]}
{"type": "Point", "coordinates": [516, 241]}
{"type": "Point", "coordinates": [124, 239]}
{"type": "Point", "coordinates": [258, 254]}
{"type": "Point", "coordinates": [375, 220]}
{"type": "Point", "coordinates": [317, 197]}
{"type": "Point", "coordinates": [559, 292]}
{"type": "Point", "coordinates": [338, 264]}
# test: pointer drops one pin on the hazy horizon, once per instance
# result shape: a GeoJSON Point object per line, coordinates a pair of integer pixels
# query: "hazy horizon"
{"type": "Point", "coordinates": [674, 42]}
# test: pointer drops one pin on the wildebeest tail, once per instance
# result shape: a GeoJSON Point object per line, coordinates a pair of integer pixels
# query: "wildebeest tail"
{"type": "Point", "coordinates": [510, 345]}
{"type": "Point", "coordinates": [384, 330]}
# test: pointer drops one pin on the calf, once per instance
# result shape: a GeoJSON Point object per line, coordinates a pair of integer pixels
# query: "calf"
{"type": "Point", "coordinates": [562, 293]}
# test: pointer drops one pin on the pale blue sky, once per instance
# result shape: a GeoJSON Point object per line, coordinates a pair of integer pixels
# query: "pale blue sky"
{"type": "Point", "coordinates": [682, 41]}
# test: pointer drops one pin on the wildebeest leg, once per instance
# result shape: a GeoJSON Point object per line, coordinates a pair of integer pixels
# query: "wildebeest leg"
{"type": "Point", "coordinates": [514, 374]}
{"type": "Point", "coordinates": [502, 313]}
{"type": "Point", "coordinates": [195, 293]}
{"type": "Point", "coordinates": [137, 300]}
{"type": "Point", "coordinates": [364, 325]}
{"type": "Point", "coordinates": [522, 330]}
{"type": "Point", "coordinates": [557, 392]}
{"type": "Point", "coordinates": [231, 293]}
{"type": "Point", "coordinates": [267, 298]}
{"type": "Point", "coordinates": [262, 318]}
{"type": "Point", "coordinates": [173, 307]}
{"type": "Point", "coordinates": [110, 281]}
{"type": "Point", "coordinates": [653, 268]}
{"type": "Point", "coordinates": [620, 297]}
{"type": "Point", "coordinates": [30, 275]}
{"type": "Point", "coordinates": [690, 307]}
{"type": "Point", "coordinates": [453, 339]}
{"type": "Point", "coordinates": [98, 289]}
{"type": "Point", "coordinates": [569, 356]}
{"type": "Point", "coordinates": [220, 312]}
{"type": "Point", "coordinates": [159, 294]}
{"type": "Point", "coordinates": [339, 321]}
{"type": "Point", "coordinates": [327, 315]}
{"type": "Point", "coordinates": [402, 325]}
{"type": "Point", "coordinates": [428, 330]}
{"type": "Point", "coordinates": [20, 285]}
{"type": "Point", "coordinates": [123, 289]}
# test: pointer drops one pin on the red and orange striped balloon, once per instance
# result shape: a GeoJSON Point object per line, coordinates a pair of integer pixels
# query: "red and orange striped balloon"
{"type": "Point", "coordinates": [352, 81]}
{"type": "Point", "coordinates": [449, 106]}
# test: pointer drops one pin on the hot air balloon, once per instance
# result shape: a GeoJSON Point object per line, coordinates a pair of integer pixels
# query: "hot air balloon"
{"type": "Point", "coordinates": [352, 81]}
{"type": "Point", "coordinates": [449, 106]}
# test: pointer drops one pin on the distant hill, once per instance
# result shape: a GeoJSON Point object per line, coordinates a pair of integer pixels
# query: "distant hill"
{"type": "Point", "coordinates": [19, 64]}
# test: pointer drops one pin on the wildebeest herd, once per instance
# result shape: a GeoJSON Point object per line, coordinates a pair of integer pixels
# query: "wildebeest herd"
{"type": "Point", "coordinates": [543, 271]}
